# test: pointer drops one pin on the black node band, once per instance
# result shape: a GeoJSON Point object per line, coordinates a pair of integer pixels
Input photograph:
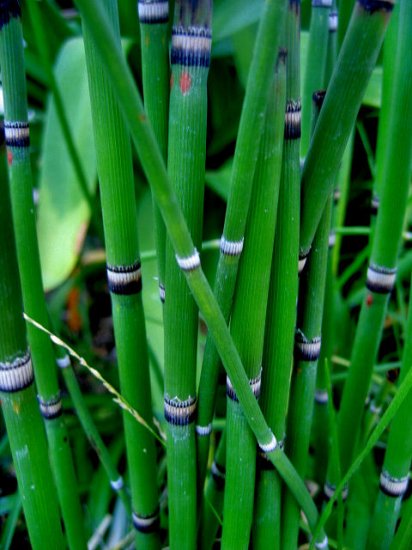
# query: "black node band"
{"type": "Point", "coordinates": [8, 10]}
{"type": "Point", "coordinates": [125, 280]}
{"type": "Point", "coordinates": [180, 413]}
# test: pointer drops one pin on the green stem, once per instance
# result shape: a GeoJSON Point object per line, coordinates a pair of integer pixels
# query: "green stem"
{"type": "Point", "coordinates": [114, 165]}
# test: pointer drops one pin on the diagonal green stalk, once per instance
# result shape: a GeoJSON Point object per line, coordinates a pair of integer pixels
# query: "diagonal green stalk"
{"type": "Point", "coordinates": [89, 428]}
{"type": "Point", "coordinates": [18, 154]}
{"type": "Point", "coordinates": [150, 156]}
{"type": "Point", "coordinates": [20, 409]}
{"type": "Point", "coordinates": [251, 124]}
{"type": "Point", "coordinates": [154, 27]}
{"type": "Point", "coordinates": [190, 59]}
{"type": "Point", "coordinates": [356, 61]}
{"type": "Point", "coordinates": [251, 292]}
{"type": "Point", "coordinates": [382, 267]}
{"type": "Point", "coordinates": [114, 165]}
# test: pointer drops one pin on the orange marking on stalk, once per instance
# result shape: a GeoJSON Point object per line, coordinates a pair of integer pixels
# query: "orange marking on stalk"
{"type": "Point", "coordinates": [185, 82]}
{"type": "Point", "coordinates": [369, 300]}
{"type": "Point", "coordinates": [9, 157]}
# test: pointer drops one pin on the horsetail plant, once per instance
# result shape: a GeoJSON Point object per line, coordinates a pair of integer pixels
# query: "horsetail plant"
{"type": "Point", "coordinates": [154, 31]}
{"type": "Point", "coordinates": [18, 154]}
{"type": "Point", "coordinates": [252, 290]}
{"type": "Point", "coordinates": [314, 78]}
{"type": "Point", "coordinates": [382, 266]}
{"type": "Point", "coordinates": [281, 318]}
{"type": "Point", "coordinates": [190, 59]}
{"type": "Point", "coordinates": [18, 400]}
{"type": "Point", "coordinates": [151, 159]}
{"type": "Point", "coordinates": [114, 164]}
{"type": "Point", "coordinates": [354, 66]}
{"type": "Point", "coordinates": [231, 244]}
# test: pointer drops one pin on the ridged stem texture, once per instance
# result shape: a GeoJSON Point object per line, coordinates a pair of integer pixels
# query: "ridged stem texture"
{"type": "Point", "coordinates": [115, 170]}
{"type": "Point", "coordinates": [314, 77]}
{"type": "Point", "coordinates": [356, 61]}
{"type": "Point", "coordinates": [307, 349]}
{"type": "Point", "coordinates": [187, 257]}
{"type": "Point", "coordinates": [24, 425]}
{"type": "Point", "coordinates": [190, 59]}
{"type": "Point", "coordinates": [281, 315]}
{"type": "Point", "coordinates": [247, 146]}
{"type": "Point", "coordinates": [18, 155]}
{"type": "Point", "coordinates": [252, 290]}
{"type": "Point", "coordinates": [382, 267]}
{"type": "Point", "coordinates": [154, 33]}
{"type": "Point", "coordinates": [213, 497]}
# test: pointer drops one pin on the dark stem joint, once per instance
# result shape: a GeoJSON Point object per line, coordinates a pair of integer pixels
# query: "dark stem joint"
{"type": "Point", "coordinates": [372, 6]}
{"type": "Point", "coordinates": [305, 349]}
{"type": "Point", "coordinates": [125, 280]}
{"type": "Point", "coordinates": [393, 486]}
{"type": "Point", "coordinates": [292, 120]}
{"type": "Point", "coordinates": [153, 13]}
{"type": "Point", "coordinates": [180, 413]}
{"type": "Point", "coordinates": [17, 374]}
{"type": "Point", "coordinates": [8, 10]}
{"type": "Point", "coordinates": [50, 408]}
{"type": "Point", "coordinates": [191, 46]}
{"type": "Point", "coordinates": [254, 383]}
{"type": "Point", "coordinates": [17, 134]}
{"type": "Point", "coordinates": [380, 279]}
{"type": "Point", "coordinates": [146, 524]}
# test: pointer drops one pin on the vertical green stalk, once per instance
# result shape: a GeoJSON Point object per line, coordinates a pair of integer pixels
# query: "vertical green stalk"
{"type": "Point", "coordinates": [307, 351]}
{"type": "Point", "coordinates": [18, 155]}
{"type": "Point", "coordinates": [231, 244]}
{"type": "Point", "coordinates": [251, 293]}
{"type": "Point", "coordinates": [187, 256]}
{"type": "Point", "coordinates": [154, 25]}
{"type": "Point", "coordinates": [382, 267]}
{"type": "Point", "coordinates": [354, 66]}
{"type": "Point", "coordinates": [114, 165]}
{"type": "Point", "coordinates": [314, 78]}
{"type": "Point", "coordinates": [281, 318]}
{"type": "Point", "coordinates": [190, 59]}
{"type": "Point", "coordinates": [21, 413]}
{"type": "Point", "coordinates": [213, 498]}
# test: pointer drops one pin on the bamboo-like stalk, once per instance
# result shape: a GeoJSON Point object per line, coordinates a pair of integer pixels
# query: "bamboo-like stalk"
{"type": "Point", "coordinates": [18, 154]}
{"type": "Point", "coordinates": [345, 92]}
{"type": "Point", "coordinates": [382, 267]}
{"type": "Point", "coordinates": [187, 256]}
{"type": "Point", "coordinates": [281, 317]}
{"type": "Point", "coordinates": [231, 245]}
{"type": "Point", "coordinates": [114, 165]}
{"type": "Point", "coordinates": [20, 409]}
{"type": "Point", "coordinates": [190, 59]}
{"type": "Point", "coordinates": [251, 292]}
{"type": "Point", "coordinates": [403, 537]}
{"type": "Point", "coordinates": [154, 26]}
{"type": "Point", "coordinates": [307, 350]}
{"type": "Point", "coordinates": [314, 77]}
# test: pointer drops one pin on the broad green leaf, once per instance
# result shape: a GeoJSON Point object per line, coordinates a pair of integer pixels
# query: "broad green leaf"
{"type": "Point", "coordinates": [63, 213]}
{"type": "Point", "coordinates": [230, 16]}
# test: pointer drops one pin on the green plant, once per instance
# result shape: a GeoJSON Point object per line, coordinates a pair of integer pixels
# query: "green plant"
{"type": "Point", "coordinates": [187, 455]}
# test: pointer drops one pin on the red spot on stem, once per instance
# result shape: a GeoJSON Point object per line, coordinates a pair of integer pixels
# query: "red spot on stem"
{"type": "Point", "coordinates": [369, 300]}
{"type": "Point", "coordinates": [9, 158]}
{"type": "Point", "coordinates": [185, 83]}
